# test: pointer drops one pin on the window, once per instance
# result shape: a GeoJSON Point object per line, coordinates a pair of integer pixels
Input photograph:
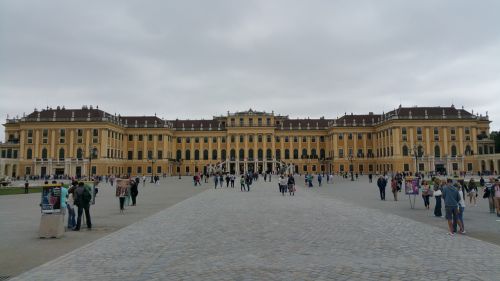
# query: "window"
{"type": "Point", "coordinates": [452, 131]}
{"type": "Point", "coordinates": [268, 121]}
{"type": "Point", "coordinates": [341, 153]}
{"type": "Point", "coordinates": [233, 139]}
{"type": "Point", "coordinates": [405, 150]}
{"type": "Point", "coordinates": [61, 154]}
{"type": "Point", "coordinates": [268, 138]}
{"type": "Point", "coordinates": [341, 136]}
{"type": "Point", "coordinates": [130, 155]}
{"type": "Point", "coordinates": [250, 122]}
{"type": "Point", "coordinates": [29, 154]}
{"type": "Point", "coordinates": [179, 140]}
{"type": "Point", "coordinates": [286, 139]}
{"type": "Point", "coordinates": [159, 154]}
{"type": "Point", "coordinates": [205, 154]}
{"type": "Point", "coordinates": [287, 154]}
{"type": "Point", "coordinates": [188, 154]}
{"type": "Point", "coordinates": [278, 154]}
{"type": "Point", "coordinates": [349, 136]}
{"type": "Point", "coordinates": [250, 154]}
{"type": "Point", "coordinates": [295, 139]}
{"type": "Point", "coordinates": [205, 139]}
{"type": "Point", "coordinates": [260, 154]}
{"type": "Point", "coordinates": [322, 154]}
{"type": "Point", "coordinates": [467, 131]}
{"type": "Point", "coordinates": [241, 122]}
{"type": "Point", "coordinates": [141, 137]}
{"type": "Point", "coordinates": [150, 154]}
{"type": "Point", "coordinates": [304, 153]}
{"type": "Point", "coordinates": [360, 136]}
{"type": "Point", "coordinates": [214, 154]}
{"type": "Point", "coordinates": [30, 136]}
{"type": "Point", "coordinates": [313, 139]}
{"type": "Point", "coordinates": [139, 154]}
{"type": "Point", "coordinates": [130, 137]}
{"type": "Point", "coordinates": [321, 139]}
{"type": "Point", "coordinates": [44, 153]}
{"type": "Point", "coordinates": [259, 121]}
{"type": "Point", "coordinates": [269, 154]}
{"type": "Point", "coordinates": [196, 154]}
{"type": "Point", "coordinates": [437, 151]}
{"type": "Point", "coordinates": [197, 140]}
{"type": "Point", "coordinates": [453, 151]}
{"type": "Point", "coordinates": [403, 131]}
{"type": "Point", "coordinates": [241, 154]}
{"type": "Point", "coordinates": [436, 131]}
{"type": "Point", "coordinates": [150, 137]}
{"type": "Point", "coordinates": [214, 139]}
{"type": "Point", "coordinates": [313, 153]}
{"type": "Point", "coordinates": [419, 130]}
{"type": "Point", "coordinates": [250, 138]}
{"type": "Point", "coordinates": [277, 139]}
{"type": "Point", "coordinates": [160, 137]}
{"type": "Point", "coordinates": [178, 155]}
{"type": "Point", "coordinates": [188, 140]}
{"type": "Point", "coordinates": [295, 154]}
{"type": "Point", "coordinates": [139, 170]}
{"type": "Point", "coordinates": [259, 138]}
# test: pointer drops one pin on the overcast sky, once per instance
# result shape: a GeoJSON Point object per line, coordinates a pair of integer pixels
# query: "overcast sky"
{"type": "Point", "coordinates": [196, 59]}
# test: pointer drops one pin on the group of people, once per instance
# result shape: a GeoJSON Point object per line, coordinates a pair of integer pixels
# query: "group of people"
{"type": "Point", "coordinates": [453, 193]}
{"type": "Point", "coordinates": [287, 184]}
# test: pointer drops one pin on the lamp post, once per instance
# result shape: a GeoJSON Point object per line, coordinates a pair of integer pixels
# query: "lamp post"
{"type": "Point", "coordinates": [91, 152]}
{"type": "Point", "coordinates": [152, 169]}
{"type": "Point", "coordinates": [415, 153]}
{"type": "Point", "coordinates": [351, 167]}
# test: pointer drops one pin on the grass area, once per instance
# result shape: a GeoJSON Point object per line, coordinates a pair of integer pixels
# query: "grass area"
{"type": "Point", "coordinates": [19, 190]}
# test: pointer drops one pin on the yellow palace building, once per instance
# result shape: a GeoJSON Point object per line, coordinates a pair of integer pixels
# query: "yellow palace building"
{"type": "Point", "coordinates": [76, 142]}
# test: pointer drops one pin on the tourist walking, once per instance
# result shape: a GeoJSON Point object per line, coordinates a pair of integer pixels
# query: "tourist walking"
{"type": "Point", "coordinates": [381, 183]}
{"type": "Point", "coordinates": [472, 192]}
{"type": "Point", "coordinates": [394, 188]}
{"type": "Point", "coordinates": [228, 179]}
{"type": "Point", "coordinates": [451, 199]}
{"type": "Point", "coordinates": [232, 178]}
{"type": "Point", "coordinates": [70, 206]}
{"type": "Point", "coordinates": [134, 191]}
{"type": "Point", "coordinates": [370, 177]}
{"type": "Point", "coordinates": [216, 181]}
{"type": "Point", "coordinates": [82, 201]}
{"type": "Point", "coordinates": [26, 186]}
{"type": "Point", "coordinates": [283, 183]}
{"type": "Point", "coordinates": [426, 193]}
{"type": "Point", "coordinates": [461, 208]}
{"type": "Point", "coordinates": [291, 185]}
{"type": "Point", "coordinates": [221, 180]}
{"type": "Point", "coordinates": [437, 194]}
{"type": "Point", "coordinates": [320, 178]}
{"type": "Point", "coordinates": [497, 196]}
{"type": "Point", "coordinates": [242, 183]}
{"type": "Point", "coordinates": [248, 182]}
{"type": "Point", "coordinates": [489, 193]}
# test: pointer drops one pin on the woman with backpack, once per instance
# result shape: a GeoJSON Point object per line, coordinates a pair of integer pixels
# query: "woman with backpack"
{"type": "Point", "coordinates": [134, 191]}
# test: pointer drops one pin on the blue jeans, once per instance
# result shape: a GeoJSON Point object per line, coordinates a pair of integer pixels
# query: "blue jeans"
{"type": "Point", "coordinates": [71, 216]}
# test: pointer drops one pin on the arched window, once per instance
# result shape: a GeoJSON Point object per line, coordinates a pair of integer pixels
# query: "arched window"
{"type": "Point", "coordinates": [405, 150]}
{"type": "Point", "coordinates": [278, 154]}
{"type": "Point", "coordinates": [241, 154]}
{"type": "Point", "coordinates": [188, 154]}
{"type": "Point", "coordinates": [295, 154]}
{"type": "Point", "coordinates": [260, 154]}
{"type": "Point", "coordinates": [95, 153]}
{"type": "Point", "coordinates": [304, 153]}
{"type": "Point", "coordinates": [269, 154]}
{"type": "Point", "coordinates": [322, 154]}
{"type": "Point", "coordinates": [61, 153]}
{"type": "Point", "coordinates": [214, 154]}
{"type": "Point", "coordinates": [453, 151]}
{"type": "Point", "coordinates": [250, 154]}
{"type": "Point", "coordinates": [205, 154]}
{"type": "Point", "coordinates": [287, 154]}
{"type": "Point", "coordinates": [467, 150]}
{"type": "Point", "coordinates": [196, 154]}
{"type": "Point", "coordinates": [313, 153]}
{"type": "Point", "coordinates": [178, 154]}
{"type": "Point", "coordinates": [420, 151]}
{"type": "Point", "coordinates": [44, 153]}
{"type": "Point", "coordinates": [29, 154]}
{"type": "Point", "coordinates": [437, 151]}
{"type": "Point", "coordinates": [223, 154]}
{"type": "Point", "coordinates": [79, 153]}
{"type": "Point", "coordinates": [232, 154]}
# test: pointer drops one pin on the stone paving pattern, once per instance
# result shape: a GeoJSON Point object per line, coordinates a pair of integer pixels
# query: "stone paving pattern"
{"type": "Point", "coordinates": [225, 234]}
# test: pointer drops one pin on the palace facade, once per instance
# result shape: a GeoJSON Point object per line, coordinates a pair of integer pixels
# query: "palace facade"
{"type": "Point", "coordinates": [77, 142]}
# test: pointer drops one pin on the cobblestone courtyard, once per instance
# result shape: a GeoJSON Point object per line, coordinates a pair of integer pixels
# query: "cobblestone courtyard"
{"type": "Point", "coordinates": [225, 234]}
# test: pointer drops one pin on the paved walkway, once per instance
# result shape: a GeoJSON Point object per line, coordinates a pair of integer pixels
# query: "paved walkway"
{"type": "Point", "coordinates": [226, 234]}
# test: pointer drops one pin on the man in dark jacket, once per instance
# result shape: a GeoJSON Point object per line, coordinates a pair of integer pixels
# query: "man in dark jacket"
{"type": "Point", "coordinates": [381, 183]}
{"type": "Point", "coordinates": [82, 197]}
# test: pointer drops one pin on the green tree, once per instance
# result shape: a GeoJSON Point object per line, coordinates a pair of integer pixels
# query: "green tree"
{"type": "Point", "coordinates": [495, 135]}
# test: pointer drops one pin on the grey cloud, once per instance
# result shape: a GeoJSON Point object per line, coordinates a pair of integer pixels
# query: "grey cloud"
{"type": "Point", "coordinates": [194, 59]}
